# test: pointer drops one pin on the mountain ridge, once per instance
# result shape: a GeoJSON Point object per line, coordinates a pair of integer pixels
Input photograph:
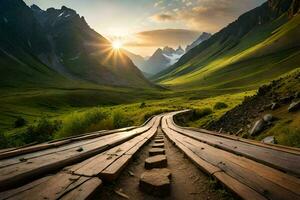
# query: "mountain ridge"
{"type": "Point", "coordinates": [59, 41]}
{"type": "Point", "coordinates": [245, 40]}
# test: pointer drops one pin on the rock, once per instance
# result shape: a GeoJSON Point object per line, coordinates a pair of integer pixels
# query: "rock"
{"type": "Point", "coordinates": [156, 182]}
{"type": "Point", "coordinates": [286, 99]}
{"type": "Point", "coordinates": [258, 127]}
{"type": "Point", "coordinates": [159, 137]}
{"type": "Point", "coordinates": [268, 118]}
{"type": "Point", "coordinates": [269, 140]}
{"type": "Point", "coordinates": [294, 106]}
{"type": "Point", "coordinates": [159, 141]}
{"type": "Point", "coordinates": [156, 151]}
{"type": "Point", "coordinates": [159, 161]}
{"type": "Point", "coordinates": [79, 149]}
{"type": "Point", "coordinates": [274, 106]}
{"type": "Point", "coordinates": [159, 145]}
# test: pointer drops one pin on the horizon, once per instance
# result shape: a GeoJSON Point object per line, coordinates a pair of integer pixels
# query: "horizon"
{"type": "Point", "coordinates": [186, 18]}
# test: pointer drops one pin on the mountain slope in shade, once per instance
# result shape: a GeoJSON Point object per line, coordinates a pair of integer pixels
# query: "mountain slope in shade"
{"type": "Point", "coordinates": [260, 45]}
{"type": "Point", "coordinates": [204, 36]}
{"type": "Point", "coordinates": [38, 47]}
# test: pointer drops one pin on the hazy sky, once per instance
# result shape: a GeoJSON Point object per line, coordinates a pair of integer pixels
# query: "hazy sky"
{"type": "Point", "coordinates": [125, 18]}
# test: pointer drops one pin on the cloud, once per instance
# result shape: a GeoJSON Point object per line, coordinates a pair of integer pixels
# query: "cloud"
{"type": "Point", "coordinates": [163, 17]}
{"type": "Point", "coordinates": [206, 15]}
{"type": "Point", "coordinates": [165, 37]}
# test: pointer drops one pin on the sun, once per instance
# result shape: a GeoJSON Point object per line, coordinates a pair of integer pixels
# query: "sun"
{"type": "Point", "coordinates": [117, 44]}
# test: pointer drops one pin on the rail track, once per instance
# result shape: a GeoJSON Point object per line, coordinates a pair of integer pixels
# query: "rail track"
{"type": "Point", "coordinates": [75, 167]}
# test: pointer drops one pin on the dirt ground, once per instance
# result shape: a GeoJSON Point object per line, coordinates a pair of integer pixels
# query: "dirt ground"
{"type": "Point", "coordinates": [188, 182]}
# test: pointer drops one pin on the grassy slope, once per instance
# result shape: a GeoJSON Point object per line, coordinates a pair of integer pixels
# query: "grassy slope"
{"type": "Point", "coordinates": [263, 54]}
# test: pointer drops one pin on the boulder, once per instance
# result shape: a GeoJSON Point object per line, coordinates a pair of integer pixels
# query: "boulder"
{"type": "Point", "coordinates": [286, 99]}
{"type": "Point", "coordinates": [159, 161]}
{"type": "Point", "coordinates": [257, 128]}
{"type": "Point", "coordinates": [294, 106]}
{"type": "Point", "coordinates": [156, 182]}
{"type": "Point", "coordinates": [269, 140]}
{"type": "Point", "coordinates": [156, 151]}
{"type": "Point", "coordinates": [268, 118]}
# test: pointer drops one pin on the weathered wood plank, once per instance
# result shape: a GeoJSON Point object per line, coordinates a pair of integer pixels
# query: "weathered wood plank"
{"type": "Point", "coordinates": [113, 160]}
{"type": "Point", "coordinates": [84, 191]}
{"type": "Point", "coordinates": [281, 160]}
{"type": "Point", "coordinates": [59, 186]}
{"type": "Point", "coordinates": [269, 182]}
{"type": "Point", "coordinates": [15, 170]}
{"type": "Point", "coordinates": [114, 170]}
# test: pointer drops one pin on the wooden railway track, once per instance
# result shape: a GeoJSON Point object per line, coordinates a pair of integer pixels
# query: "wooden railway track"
{"type": "Point", "coordinates": [250, 169]}
{"type": "Point", "coordinates": [75, 167]}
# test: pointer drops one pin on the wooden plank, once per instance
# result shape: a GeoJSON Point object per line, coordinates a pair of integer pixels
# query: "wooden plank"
{"type": "Point", "coordinates": [13, 192]}
{"type": "Point", "coordinates": [203, 165]}
{"type": "Point", "coordinates": [59, 186]}
{"type": "Point", "coordinates": [281, 160]}
{"type": "Point", "coordinates": [238, 188]}
{"type": "Point", "coordinates": [265, 180]}
{"type": "Point", "coordinates": [97, 164]}
{"type": "Point", "coordinates": [114, 170]}
{"type": "Point", "coordinates": [40, 162]}
{"type": "Point", "coordinates": [84, 191]}
{"type": "Point", "coordinates": [278, 147]}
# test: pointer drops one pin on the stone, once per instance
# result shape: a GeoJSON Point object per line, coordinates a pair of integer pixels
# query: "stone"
{"type": "Point", "coordinates": [159, 145]}
{"type": "Point", "coordinates": [286, 99]}
{"type": "Point", "coordinates": [159, 137]}
{"type": "Point", "coordinates": [274, 106]}
{"type": "Point", "coordinates": [159, 161]}
{"type": "Point", "coordinates": [159, 141]}
{"type": "Point", "coordinates": [294, 106]}
{"type": "Point", "coordinates": [268, 118]}
{"type": "Point", "coordinates": [156, 151]}
{"type": "Point", "coordinates": [258, 127]}
{"type": "Point", "coordinates": [156, 182]}
{"type": "Point", "coordinates": [269, 140]}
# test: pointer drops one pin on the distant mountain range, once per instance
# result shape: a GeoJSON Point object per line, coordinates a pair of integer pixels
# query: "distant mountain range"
{"type": "Point", "coordinates": [56, 46]}
{"type": "Point", "coordinates": [160, 60]}
{"type": "Point", "coordinates": [163, 58]}
{"type": "Point", "coordinates": [259, 46]}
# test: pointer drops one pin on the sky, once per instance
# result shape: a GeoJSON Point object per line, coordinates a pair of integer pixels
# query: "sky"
{"type": "Point", "coordinates": [145, 25]}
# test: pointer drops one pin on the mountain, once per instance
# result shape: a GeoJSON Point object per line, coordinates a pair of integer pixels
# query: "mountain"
{"type": "Point", "coordinates": [179, 51]}
{"type": "Point", "coordinates": [54, 46]}
{"type": "Point", "coordinates": [161, 60]}
{"type": "Point", "coordinates": [204, 36]}
{"type": "Point", "coordinates": [259, 46]}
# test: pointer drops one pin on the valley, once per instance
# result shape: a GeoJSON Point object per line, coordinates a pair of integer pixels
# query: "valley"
{"type": "Point", "coordinates": [212, 112]}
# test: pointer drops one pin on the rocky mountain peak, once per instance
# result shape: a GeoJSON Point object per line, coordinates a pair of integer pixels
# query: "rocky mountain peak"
{"type": "Point", "coordinates": [179, 50]}
{"type": "Point", "coordinates": [35, 7]}
{"type": "Point", "coordinates": [168, 50]}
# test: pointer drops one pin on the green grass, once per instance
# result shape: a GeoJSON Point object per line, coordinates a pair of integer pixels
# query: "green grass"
{"type": "Point", "coordinates": [260, 56]}
{"type": "Point", "coordinates": [80, 111]}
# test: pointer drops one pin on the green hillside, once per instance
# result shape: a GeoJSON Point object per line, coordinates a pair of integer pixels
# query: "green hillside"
{"type": "Point", "coordinates": [56, 47]}
{"type": "Point", "coordinates": [261, 45]}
